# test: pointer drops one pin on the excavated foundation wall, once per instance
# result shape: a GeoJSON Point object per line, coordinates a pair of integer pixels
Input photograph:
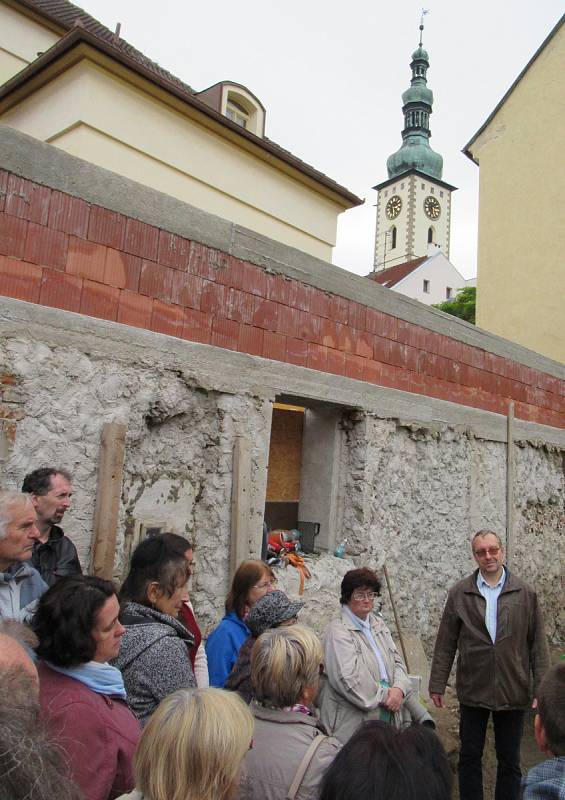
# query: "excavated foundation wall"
{"type": "Point", "coordinates": [410, 493]}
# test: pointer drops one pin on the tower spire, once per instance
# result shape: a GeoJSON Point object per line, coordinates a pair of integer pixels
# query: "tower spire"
{"type": "Point", "coordinates": [417, 101]}
{"type": "Point", "coordinates": [424, 12]}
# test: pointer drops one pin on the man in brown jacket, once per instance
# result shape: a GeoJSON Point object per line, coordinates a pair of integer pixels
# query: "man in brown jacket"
{"type": "Point", "coordinates": [492, 618]}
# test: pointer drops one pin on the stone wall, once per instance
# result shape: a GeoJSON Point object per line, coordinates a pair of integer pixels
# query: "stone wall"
{"type": "Point", "coordinates": [410, 493]}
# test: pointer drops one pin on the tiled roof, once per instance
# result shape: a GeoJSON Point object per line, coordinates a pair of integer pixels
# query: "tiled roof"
{"type": "Point", "coordinates": [392, 275]}
{"type": "Point", "coordinates": [67, 15]}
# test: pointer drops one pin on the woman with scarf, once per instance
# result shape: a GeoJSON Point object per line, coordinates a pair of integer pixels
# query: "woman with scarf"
{"type": "Point", "coordinates": [82, 697]}
{"type": "Point", "coordinates": [365, 675]}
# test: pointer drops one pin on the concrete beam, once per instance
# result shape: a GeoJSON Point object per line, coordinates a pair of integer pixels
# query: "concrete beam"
{"type": "Point", "coordinates": [216, 369]}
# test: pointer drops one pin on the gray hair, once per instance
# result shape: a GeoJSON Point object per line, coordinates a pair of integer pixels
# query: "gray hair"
{"type": "Point", "coordinates": [485, 532]}
{"type": "Point", "coordinates": [9, 499]}
{"type": "Point", "coordinates": [284, 662]}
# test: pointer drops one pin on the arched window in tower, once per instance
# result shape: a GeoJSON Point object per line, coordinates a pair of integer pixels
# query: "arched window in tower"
{"type": "Point", "coordinates": [430, 235]}
{"type": "Point", "coordinates": [393, 237]}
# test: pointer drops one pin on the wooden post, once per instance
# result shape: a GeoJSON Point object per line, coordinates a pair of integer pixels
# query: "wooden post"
{"type": "Point", "coordinates": [240, 504]}
{"type": "Point", "coordinates": [110, 476]}
{"type": "Point", "coordinates": [509, 484]}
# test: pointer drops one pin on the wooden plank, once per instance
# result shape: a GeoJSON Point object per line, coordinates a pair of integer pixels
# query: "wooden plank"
{"type": "Point", "coordinates": [108, 497]}
{"type": "Point", "coordinates": [240, 504]}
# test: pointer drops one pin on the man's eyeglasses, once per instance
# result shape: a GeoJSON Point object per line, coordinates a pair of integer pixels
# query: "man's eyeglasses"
{"type": "Point", "coordinates": [363, 595]}
{"type": "Point", "coordinates": [487, 551]}
{"type": "Point", "coordinates": [265, 584]}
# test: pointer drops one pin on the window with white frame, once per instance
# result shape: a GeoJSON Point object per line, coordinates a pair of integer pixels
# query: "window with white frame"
{"type": "Point", "coordinates": [237, 113]}
{"type": "Point", "coordinates": [448, 293]}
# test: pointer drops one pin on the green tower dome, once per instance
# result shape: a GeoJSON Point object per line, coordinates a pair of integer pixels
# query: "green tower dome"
{"type": "Point", "coordinates": [415, 152]}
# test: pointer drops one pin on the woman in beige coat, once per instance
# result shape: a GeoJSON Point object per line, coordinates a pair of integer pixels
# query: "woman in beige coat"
{"type": "Point", "coordinates": [365, 675]}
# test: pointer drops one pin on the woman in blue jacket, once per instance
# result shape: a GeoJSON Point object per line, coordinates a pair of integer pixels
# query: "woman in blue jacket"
{"type": "Point", "coordinates": [252, 580]}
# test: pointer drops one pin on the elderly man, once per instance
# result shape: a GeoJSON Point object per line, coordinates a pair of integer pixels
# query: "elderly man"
{"type": "Point", "coordinates": [493, 619]}
{"type": "Point", "coordinates": [54, 555]}
{"type": "Point", "coordinates": [20, 584]}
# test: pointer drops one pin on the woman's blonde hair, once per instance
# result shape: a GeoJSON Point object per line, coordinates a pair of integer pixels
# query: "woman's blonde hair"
{"type": "Point", "coordinates": [284, 661]}
{"type": "Point", "coordinates": [193, 746]}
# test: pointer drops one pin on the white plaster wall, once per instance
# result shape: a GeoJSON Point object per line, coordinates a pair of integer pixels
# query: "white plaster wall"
{"type": "Point", "coordinates": [92, 114]}
{"type": "Point", "coordinates": [440, 273]}
{"type": "Point", "coordinates": [21, 39]}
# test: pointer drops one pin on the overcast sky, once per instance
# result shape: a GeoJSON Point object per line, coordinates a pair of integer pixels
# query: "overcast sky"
{"type": "Point", "coordinates": [331, 73]}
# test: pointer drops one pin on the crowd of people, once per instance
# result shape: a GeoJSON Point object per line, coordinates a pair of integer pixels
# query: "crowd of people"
{"type": "Point", "coordinates": [108, 693]}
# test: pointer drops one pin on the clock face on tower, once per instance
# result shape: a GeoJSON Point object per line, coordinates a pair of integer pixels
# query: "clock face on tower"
{"type": "Point", "coordinates": [432, 208]}
{"type": "Point", "coordinates": [393, 207]}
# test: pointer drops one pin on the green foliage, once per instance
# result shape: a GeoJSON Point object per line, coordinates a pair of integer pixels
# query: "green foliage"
{"type": "Point", "coordinates": [462, 306]}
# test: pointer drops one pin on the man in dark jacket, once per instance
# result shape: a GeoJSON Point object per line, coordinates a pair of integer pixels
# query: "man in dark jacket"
{"type": "Point", "coordinates": [54, 555]}
{"type": "Point", "coordinates": [492, 618]}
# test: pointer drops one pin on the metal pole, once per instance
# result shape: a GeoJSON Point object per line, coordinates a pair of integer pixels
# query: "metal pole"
{"type": "Point", "coordinates": [397, 623]}
{"type": "Point", "coordinates": [509, 483]}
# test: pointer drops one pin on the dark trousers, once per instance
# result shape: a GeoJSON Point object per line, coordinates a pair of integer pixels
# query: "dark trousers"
{"type": "Point", "coordinates": [508, 727]}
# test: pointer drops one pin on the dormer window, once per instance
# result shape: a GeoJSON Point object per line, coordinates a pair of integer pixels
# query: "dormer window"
{"type": "Point", "coordinates": [238, 104]}
{"type": "Point", "coordinates": [237, 113]}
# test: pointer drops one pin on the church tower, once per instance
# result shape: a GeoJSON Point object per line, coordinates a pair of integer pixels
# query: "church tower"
{"type": "Point", "coordinates": [414, 203]}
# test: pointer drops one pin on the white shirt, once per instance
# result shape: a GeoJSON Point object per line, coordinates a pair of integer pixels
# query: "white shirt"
{"type": "Point", "coordinates": [491, 594]}
{"type": "Point", "coordinates": [364, 625]}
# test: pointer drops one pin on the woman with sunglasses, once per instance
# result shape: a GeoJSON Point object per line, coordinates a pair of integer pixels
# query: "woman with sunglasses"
{"type": "Point", "coordinates": [366, 677]}
{"type": "Point", "coordinates": [252, 580]}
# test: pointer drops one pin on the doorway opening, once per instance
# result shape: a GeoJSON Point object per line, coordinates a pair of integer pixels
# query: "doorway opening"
{"type": "Point", "coordinates": [304, 470]}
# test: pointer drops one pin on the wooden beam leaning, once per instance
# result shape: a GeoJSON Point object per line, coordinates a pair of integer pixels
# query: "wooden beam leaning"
{"type": "Point", "coordinates": [108, 496]}
{"type": "Point", "coordinates": [240, 504]}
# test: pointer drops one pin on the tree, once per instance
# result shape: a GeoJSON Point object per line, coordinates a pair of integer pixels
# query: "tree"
{"type": "Point", "coordinates": [462, 306]}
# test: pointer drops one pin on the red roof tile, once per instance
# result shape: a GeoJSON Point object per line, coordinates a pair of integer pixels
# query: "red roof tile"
{"type": "Point", "coordinates": [392, 275]}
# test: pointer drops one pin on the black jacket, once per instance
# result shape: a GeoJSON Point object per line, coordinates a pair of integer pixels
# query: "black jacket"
{"type": "Point", "coordinates": [56, 558]}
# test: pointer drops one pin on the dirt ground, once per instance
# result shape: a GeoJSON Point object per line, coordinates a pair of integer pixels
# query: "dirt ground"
{"type": "Point", "coordinates": [447, 721]}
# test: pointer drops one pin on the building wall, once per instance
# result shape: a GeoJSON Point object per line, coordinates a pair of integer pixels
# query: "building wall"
{"type": "Point", "coordinates": [97, 116]}
{"type": "Point", "coordinates": [90, 333]}
{"type": "Point", "coordinates": [440, 273]}
{"type": "Point", "coordinates": [521, 280]}
{"type": "Point", "coordinates": [411, 491]}
{"type": "Point", "coordinates": [73, 253]}
{"type": "Point", "coordinates": [21, 39]}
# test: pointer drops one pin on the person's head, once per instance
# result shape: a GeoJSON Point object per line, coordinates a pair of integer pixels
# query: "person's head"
{"type": "Point", "coordinates": [549, 723]}
{"type": "Point", "coordinates": [181, 546]}
{"type": "Point", "coordinates": [359, 588]}
{"type": "Point", "coordinates": [285, 666]}
{"type": "Point", "coordinates": [16, 642]}
{"type": "Point", "coordinates": [31, 765]}
{"type": "Point", "coordinates": [252, 580]}
{"type": "Point", "coordinates": [381, 760]}
{"type": "Point", "coordinates": [50, 491]}
{"type": "Point", "coordinates": [158, 577]}
{"type": "Point", "coordinates": [18, 529]}
{"type": "Point", "coordinates": [272, 611]}
{"type": "Point", "coordinates": [77, 621]}
{"type": "Point", "coordinates": [193, 746]}
{"type": "Point", "coordinates": [488, 552]}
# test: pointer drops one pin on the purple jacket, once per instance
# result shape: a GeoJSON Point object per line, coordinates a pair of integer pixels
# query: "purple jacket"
{"type": "Point", "coordinates": [97, 734]}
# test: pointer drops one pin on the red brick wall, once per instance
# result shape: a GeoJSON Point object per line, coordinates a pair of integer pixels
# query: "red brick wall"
{"type": "Point", "coordinates": [60, 251]}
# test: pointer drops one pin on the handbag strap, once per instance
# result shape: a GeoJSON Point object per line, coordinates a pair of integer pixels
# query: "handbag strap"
{"type": "Point", "coordinates": [304, 764]}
